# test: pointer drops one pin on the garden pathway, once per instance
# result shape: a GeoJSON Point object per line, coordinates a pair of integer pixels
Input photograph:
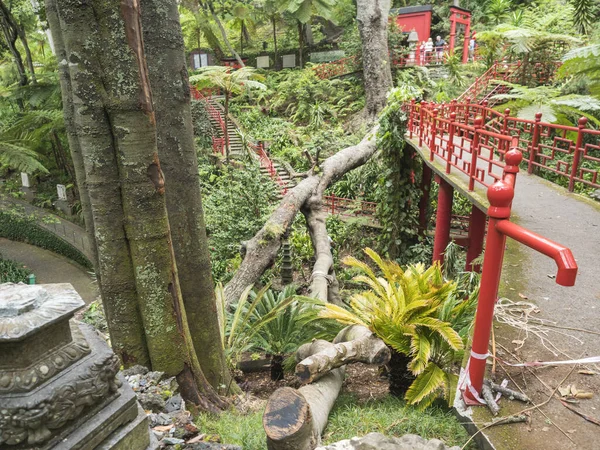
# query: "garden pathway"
{"type": "Point", "coordinates": [49, 267]}
{"type": "Point", "coordinates": [528, 276]}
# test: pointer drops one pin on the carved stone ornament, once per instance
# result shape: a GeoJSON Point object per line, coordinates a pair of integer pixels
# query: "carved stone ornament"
{"type": "Point", "coordinates": [33, 420]}
{"type": "Point", "coordinates": [25, 379]}
{"type": "Point", "coordinates": [25, 309]}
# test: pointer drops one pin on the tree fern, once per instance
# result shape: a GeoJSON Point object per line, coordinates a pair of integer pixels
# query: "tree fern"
{"type": "Point", "coordinates": [583, 15]}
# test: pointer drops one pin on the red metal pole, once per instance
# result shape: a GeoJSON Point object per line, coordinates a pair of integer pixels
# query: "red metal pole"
{"type": "Point", "coordinates": [535, 140]}
{"type": "Point", "coordinates": [442, 222]}
{"type": "Point", "coordinates": [505, 123]}
{"type": "Point", "coordinates": [578, 151]}
{"type": "Point", "coordinates": [424, 201]}
{"type": "Point", "coordinates": [500, 196]}
{"type": "Point", "coordinates": [474, 152]}
{"type": "Point", "coordinates": [476, 236]}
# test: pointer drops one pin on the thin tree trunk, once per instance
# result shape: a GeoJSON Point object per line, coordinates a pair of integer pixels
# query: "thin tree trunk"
{"type": "Point", "coordinates": [372, 17]}
{"type": "Point", "coordinates": [301, 44]}
{"type": "Point", "coordinates": [28, 58]}
{"type": "Point", "coordinates": [179, 162]}
{"type": "Point", "coordinates": [90, 132]}
{"type": "Point", "coordinates": [10, 31]}
{"type": "Point", "coordinates": [274, 22]}
{"type": "Point", "coordinates": [224, 34]}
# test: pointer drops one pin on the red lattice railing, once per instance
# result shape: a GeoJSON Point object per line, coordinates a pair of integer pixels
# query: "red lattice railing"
{"type": "Point", "coordinates": [473, 138]}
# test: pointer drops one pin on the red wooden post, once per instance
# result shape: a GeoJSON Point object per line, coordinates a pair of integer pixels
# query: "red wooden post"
{"type": "Point", "coordinates": [332, 204]}
{"type": "Point", "coordinates": [535, 140]}
{"type": "Point", "coordinates": [453, 105]}
{"type": "Point", "coordinates": [505, 124]}
{"type": "Point", "coordinates": [411, 117]}
{"type": "Point", "coordinates": [465, 55]}
{"type": "Point", "coordinates": [424, 201]}
{"type": "Point", "coordinates": [476, 236]}
{"type": "Point", "coordinates": [474, 152]}
{"type": "Point", "coordinates": [442, 222]}
{"type": "Point", "coordinates": [432, 144]}
{"type": "Point", "coordinates": [578, 151]}
{"type": "Point", "coordinates": [452, 31]}
{"type": "Point", "coordinates": [450, 149]}
{"type": "Point", "coordinates": [484, 105]}
{"type": "Point", "coordinates": [422, 107]}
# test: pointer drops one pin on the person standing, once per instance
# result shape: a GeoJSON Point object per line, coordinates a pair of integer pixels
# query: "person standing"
{"type": "Point", "coordinates": [439, 49]}
{"type": "Point", "coordinates": [472, 47]}
{"type": "Point", "coordinates": [428, 50]}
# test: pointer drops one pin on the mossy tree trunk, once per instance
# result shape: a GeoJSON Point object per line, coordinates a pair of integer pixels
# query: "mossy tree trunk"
{"type": "Point", "coordinates": [116, 130]}
{"type": "Point", "coordinates": [372, 17]}
{"type": "Point", "coordinates": [168, 74]}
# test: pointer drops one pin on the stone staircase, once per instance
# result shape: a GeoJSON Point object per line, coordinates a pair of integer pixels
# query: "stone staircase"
{"type": "Point", "coordinates": [284, 176]}
{"type": "Point", "coordinates": [236, 144]}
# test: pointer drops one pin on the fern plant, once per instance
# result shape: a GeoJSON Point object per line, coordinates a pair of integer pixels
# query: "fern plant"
{"type": "Point", "coordinates": [416, 312]}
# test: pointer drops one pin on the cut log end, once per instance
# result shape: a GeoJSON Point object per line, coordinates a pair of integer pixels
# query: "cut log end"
{"type": "Point", "coordinates": [287, 416]}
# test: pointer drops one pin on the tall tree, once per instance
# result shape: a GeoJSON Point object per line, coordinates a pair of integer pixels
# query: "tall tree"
{"type": "Point", "coordinates": [116, 128]}
{"type": "Point", "coordinates": [209, 6]}
{"type": "Point", "coordinates": [372, 17]}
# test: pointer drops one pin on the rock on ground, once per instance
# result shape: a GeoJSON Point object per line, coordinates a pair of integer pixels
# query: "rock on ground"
{"type": "Point", "coordinates": [377, 441]}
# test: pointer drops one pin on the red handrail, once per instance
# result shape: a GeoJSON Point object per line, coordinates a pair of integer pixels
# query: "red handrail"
{"type": "Point", "coordinates": [472, 139]}
{"type": "Point", "coordinates": [218, 143]}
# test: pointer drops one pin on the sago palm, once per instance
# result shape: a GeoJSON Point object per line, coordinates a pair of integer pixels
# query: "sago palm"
{"type": "Point", "coordinates": [403, 308]}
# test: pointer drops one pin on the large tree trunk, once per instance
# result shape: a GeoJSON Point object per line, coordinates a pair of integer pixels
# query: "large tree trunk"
{"type": "Point", "coordinates": [176, 148]}
{"type": "Point", "coordinates": [295, 419]}
{"type": "Point", "coordinates": [97, 175]}
{"type": "Point", "coordinates": [372, 17]}
{"type": "Point", "coordinates": [364, 347]}
{"type": "Point", "coordinates": [262, 249]}
{"type": "Point", "coordinates": [113, 100]}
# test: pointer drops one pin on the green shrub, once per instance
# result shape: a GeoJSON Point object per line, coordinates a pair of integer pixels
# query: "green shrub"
{"type": "Point", "coordinates": [18, 227]}
{"type": "Point", "coordinates": [12, 271]}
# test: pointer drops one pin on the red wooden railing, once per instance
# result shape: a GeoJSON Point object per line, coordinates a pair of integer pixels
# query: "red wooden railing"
{"type": "Point", "coordinates": [472, 139]}
{"type": "Point", "coordinates": [482, 88]}
{"type": "Point", "coordinates": [218, 143]}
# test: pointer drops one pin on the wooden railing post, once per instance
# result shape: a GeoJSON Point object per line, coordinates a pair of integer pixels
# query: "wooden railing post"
{"type": "Point", "coordinates": [535, 141]}
{"type": "Point", "coordinates": [422, 108]}
{"type": "Point", "coordinates": [450, 149]}
{"type": "Point", "coordinates": [411, 117]}
{"type": "Point", "coordinates": [478, 124]}
{"type": "Point", "coordinates": [432, 144]}
{"type": "Point", "coordinates": [578, 151]}
{"type": "Point", "coordinates": [484, 105]}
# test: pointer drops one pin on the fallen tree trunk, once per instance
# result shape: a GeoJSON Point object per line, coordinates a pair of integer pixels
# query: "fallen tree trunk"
{"type": "Point", "coordinates": [365, 347]}
{"type": "Point", "coordinates": [295, 419]}
{"type": "Point", "coordinates": [262, 249]}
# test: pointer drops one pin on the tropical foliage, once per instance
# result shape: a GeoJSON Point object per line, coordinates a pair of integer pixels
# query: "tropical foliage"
{"type": "Point", "coordinates": [417, 313]}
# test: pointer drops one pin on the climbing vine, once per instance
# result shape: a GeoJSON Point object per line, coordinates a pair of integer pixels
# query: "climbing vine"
{"type": "Point", "coordinates": [399, 192]}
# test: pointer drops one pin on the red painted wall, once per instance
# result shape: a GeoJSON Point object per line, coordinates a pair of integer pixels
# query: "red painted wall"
{"type": "Point", "coordinates": [419, 21]}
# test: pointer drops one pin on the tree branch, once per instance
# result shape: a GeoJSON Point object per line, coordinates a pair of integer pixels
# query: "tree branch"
{"type": "Point", "coordinates": [262, 249]}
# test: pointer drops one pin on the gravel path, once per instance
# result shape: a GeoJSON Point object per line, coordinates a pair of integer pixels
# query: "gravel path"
{"type": "Point", "coordinates": [49, 267]}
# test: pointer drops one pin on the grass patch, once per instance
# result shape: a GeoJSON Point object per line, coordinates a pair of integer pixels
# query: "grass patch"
{"type": "Point", "coordinates": [349, 418]}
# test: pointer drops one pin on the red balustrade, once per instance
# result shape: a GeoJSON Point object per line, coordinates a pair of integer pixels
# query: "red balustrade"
{"type": "Point", "coordinates": [218, 143]}
{"type": "Point", "coordinates": [349, 206]}
{"type": "Point", "coordinates": [473, 138]}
